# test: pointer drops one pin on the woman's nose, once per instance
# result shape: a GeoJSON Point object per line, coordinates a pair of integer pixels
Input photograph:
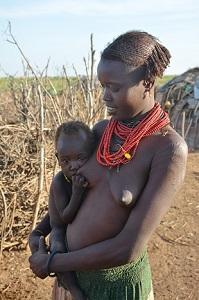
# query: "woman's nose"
{"type": "Point", "coordinates": [106, 94]}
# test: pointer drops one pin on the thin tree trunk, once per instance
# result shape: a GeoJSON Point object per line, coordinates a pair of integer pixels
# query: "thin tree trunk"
{"type": "Point", "coordinates": [42, 159]}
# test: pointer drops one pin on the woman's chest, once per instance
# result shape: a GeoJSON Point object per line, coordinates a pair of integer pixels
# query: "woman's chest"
{"type": "Point", "coordinates": [127, 181]}
{"type": "Point", "coordinates": [123, 183]}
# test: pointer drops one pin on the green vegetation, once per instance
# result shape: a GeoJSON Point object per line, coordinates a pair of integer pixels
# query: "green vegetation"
{"type": "Point", "coordinates": [4, 84]}
{"type": "Point", "coordinates": [162, 81]}
{"type": "Point", "coordinates": [52, 84]}
{"type": "Point", "coordinates": [59, 83]}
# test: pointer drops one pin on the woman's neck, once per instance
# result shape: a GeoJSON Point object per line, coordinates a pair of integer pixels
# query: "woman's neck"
{"type": "Point", "coordinates": [134, 121]}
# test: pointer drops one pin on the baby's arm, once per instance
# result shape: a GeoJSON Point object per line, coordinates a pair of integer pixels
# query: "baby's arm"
{"type": "Point", "coordinates": [69, 212]}
{"type": "Point", "coordinates": [57, 235]}
{"type": "Point", "coordinates": [64, 202]}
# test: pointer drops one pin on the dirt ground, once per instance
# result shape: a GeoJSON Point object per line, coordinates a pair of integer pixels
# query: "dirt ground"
{"type": "Point", "coordinates": [173, 252]}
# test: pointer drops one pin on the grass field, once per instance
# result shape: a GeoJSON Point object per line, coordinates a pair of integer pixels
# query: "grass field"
{"type": "Point", "coordinates": [165, 79]}
{"type": "Point", "coordinates": [60, 83]}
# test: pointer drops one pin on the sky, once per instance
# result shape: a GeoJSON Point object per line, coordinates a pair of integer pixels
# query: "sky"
{"type": "Point", "coordinates": [57, 32]}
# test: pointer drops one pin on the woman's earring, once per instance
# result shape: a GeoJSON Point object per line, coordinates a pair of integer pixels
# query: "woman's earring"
{"type": "Point", "coordinates": [147, 89]}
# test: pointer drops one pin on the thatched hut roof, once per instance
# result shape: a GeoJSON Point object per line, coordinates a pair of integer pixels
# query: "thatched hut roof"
{"type": "Point", "coordinates": [180, 97]}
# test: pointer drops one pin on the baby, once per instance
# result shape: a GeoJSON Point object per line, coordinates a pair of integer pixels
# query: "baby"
{"type": "Point", "coordinates": [74, 142]}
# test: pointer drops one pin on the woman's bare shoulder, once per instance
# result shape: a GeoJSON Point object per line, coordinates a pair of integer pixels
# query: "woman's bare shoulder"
{"type": "Point", "coordinates": [173, 141]}
{"type": "Point", "coordinates": [99, 127]}
{"type": "Point", "coordinates": [172, 151]}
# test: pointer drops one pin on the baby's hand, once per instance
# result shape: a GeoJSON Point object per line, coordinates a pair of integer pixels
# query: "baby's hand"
{"type": "Point", "coordinates": [79, 182]}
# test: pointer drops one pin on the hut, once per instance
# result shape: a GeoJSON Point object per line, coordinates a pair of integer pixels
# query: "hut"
{"type": "Point", "coordinates": [180, 98]}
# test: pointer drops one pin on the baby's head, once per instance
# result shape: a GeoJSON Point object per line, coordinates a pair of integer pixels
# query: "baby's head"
{"type": "Point", "coordinates": [74, 143]}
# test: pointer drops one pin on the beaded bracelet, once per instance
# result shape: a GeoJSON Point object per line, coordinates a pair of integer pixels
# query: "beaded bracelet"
{"type": "Point", "coordinates": [48, 262]}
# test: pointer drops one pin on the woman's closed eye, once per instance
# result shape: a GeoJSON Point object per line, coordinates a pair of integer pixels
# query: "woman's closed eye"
{"type": "Point", "coordinates": [113, 88]}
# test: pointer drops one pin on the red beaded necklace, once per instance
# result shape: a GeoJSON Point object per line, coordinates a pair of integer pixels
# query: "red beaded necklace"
{"type": "Point", "coordinates": [154, 121]}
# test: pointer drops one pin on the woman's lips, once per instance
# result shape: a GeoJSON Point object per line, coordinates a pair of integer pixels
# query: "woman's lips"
{"type": "Point", "coordinates": [111, 110]}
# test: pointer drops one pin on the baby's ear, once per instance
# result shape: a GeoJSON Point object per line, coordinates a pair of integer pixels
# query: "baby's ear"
{"type": "Point", "coordinates": [57, 157]}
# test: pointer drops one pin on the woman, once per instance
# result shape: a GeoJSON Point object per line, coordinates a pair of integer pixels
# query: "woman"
{"type": "Point", "coordinates": [133, 177]}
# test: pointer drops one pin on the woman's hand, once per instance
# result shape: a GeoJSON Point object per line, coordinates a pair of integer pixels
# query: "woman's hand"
{"type": "Point", "coordinates": [42, 229]}
{"type": "Point", "coordinates": [38, 260]}
{"type": "Point", "coordinates": [34, 242]}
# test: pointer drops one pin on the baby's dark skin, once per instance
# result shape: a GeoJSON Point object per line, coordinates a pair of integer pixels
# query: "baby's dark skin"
{"type": "Point", "coordinates": [66, 196]}
{"type": "Point", "coordinates": [67, 213]}
{"type": "Point", "coordinates": [73, 149]}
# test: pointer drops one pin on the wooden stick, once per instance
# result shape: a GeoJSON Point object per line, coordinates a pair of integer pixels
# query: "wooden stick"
{"type": "Point", "coordinates": [183, 123]}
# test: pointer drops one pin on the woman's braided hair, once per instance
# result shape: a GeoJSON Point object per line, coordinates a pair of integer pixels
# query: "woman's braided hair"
{"type": "Point", "coordinates": [138, 48]}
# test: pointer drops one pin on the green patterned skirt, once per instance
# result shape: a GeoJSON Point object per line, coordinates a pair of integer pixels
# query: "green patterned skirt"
{"type": "Point", "coordinates": [128, 282]}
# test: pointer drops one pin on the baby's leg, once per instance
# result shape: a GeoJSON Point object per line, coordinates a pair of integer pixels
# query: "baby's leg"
{"type": "Point", "coordinates": [57, 239]}
{"type": "Point", "coordinates": [59, 293]}
{"type": "Point", "coordinates": [69, 282]}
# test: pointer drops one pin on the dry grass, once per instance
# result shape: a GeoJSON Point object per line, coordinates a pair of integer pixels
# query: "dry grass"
{"type": "Point", "coordinates": [30, 116]}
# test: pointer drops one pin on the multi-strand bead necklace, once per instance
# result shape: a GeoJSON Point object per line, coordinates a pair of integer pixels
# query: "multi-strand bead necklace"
{"type": "Point", "coordinates": [155, 120]}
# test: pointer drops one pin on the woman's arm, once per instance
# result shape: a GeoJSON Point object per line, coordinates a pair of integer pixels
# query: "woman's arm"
{"type": "Point", "coordinates": [165, 178]}
{"type": "Point", "coordinates": [42, 229]}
